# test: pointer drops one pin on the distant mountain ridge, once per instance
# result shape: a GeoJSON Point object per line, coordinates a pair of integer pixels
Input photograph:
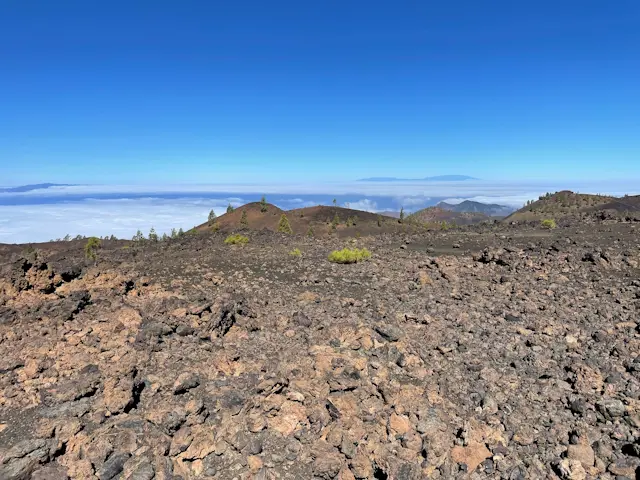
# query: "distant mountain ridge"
{"type": "Point", "coordinates": [437, 178]}
{"type": "Point", "coordinates": [36, 186]}
{"type": "Point", "coordinates": [469, 206]}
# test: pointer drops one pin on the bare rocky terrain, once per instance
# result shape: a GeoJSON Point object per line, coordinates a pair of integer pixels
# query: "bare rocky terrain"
{"type": "Point", "coordinates": [493, 351]}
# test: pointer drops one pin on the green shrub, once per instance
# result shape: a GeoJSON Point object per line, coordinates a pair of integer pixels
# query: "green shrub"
{"type": "Point", "coordinates": [263, 204]}
{"type": "Point", "coordinates": [236, 239]}
{"type": "Point", "coordinates": [310, 231]}
{"type": "Point", "coordinates": [335, 222]}
{"type": "Point", "coordinates": [548, 223]}
{"type": "Point", "coordinates": [91, 248]}
{"type": "Point", "coordinates": [349, 255]}
{"type": "Point", "coordinates": [283, 225]}
{"type": "Point", "coordinates": [229, 209]}
{"type": "Point", "coordinates": [295, 252]}
{"type": "Point", "coordinates": [243, 219]}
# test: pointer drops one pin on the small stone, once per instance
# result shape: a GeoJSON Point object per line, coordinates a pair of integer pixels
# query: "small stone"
{"type": "Point", "coordinates": [472, 455]}
{"type": "Point", "coordinates": [571, 341]}
{"type": "Point", "coordinates": [184, 330]}
{"type": "Point", "coordinates": [569, 469]}
{"type": "Point", "coordinates": [389, 332]}
{"type": "Point", "coordinates": [295, 396]}
{"type": "Point", "coordinates": [583, 453]}
{"type": "Point", "coordinates": [256, 424]}
{"type": "Point", "coordinates": [611, 408]}
{"type": "Point", "coordinates": [144, 471]}
{"type": "Point", "coordinates": [254, 447]}
{"type": "Point", "coordinates": [113, 466]}
{"type": "Point", "coordinates": [525, 435]}
{"type": "Point", "coordinates": [361, 467]}
{"type": "Point", "coordinates": [399, 424]}
{"type": "Point", "coordinates": [623, 468]}
{"type": "Point", "coordinates": [254, 462]}
{"type": "Point", "coordinates": [50, 472]}
{"type": "Point", "coordinates": [327, 466]}
{"type": "Point", "coordinates": [185, 382]}
{"type": "Point", "coordinates": [578, 406]}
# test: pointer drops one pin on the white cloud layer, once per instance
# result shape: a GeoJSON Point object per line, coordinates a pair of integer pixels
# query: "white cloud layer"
{"type": "Point", "coordinates": [122, 218]}
{"type": "Point", "coordinates": [464, 189]}
{"type": "Point", "coordinates": [53, 213]}
{"type": "Point", "coordinates": [366, 205]}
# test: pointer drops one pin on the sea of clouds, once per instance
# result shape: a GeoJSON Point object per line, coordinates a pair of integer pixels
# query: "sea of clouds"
{"type": "Point", "coordinates": [120, 210]}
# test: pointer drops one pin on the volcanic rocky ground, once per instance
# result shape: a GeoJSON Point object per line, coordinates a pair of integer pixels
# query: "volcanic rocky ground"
{"type": "Point", "coordinates": [503, 354]}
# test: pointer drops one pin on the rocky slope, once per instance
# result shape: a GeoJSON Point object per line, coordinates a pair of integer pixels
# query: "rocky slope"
{"type": "Point", "coordinates": [460, 354]}
{"type": "Point", "coordinates": [569, 208]}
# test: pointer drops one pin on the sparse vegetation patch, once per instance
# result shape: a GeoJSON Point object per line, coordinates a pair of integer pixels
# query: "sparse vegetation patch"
{"type": "Point", "coordinates": [349, 255]}
{"type": "Point", "coordinates": [236, 239]}
{"type": "Point", "coordinates": [548, 223]}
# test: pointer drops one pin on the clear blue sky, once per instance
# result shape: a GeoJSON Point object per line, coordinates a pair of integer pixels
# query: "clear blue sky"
{"type": "Point", "coordinates": [210, 91]}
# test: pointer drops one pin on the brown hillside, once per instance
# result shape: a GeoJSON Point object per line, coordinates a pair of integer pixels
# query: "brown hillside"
{"type": "Point", "coordinates": [319, 218]}
{"type": "Point", "coordinates": [325, 214]}
{"type": "Point", "coordinates": [437, 214]}
{"type": "Point", "coordinates": [256, 219]}
{"type": "Point", "coordinates": [562, 204]}
{"type": "Point", "coordinates": [623, 204]}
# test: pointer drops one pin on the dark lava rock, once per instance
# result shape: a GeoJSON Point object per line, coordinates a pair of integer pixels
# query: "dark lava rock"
{"type": "Point", "coordinates": [389, 332]}
{"type": "Point", "coordinates": [113, 466]}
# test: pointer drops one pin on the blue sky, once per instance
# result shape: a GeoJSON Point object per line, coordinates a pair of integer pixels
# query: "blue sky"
{"type": "Point", "coordinates": [252, 91]}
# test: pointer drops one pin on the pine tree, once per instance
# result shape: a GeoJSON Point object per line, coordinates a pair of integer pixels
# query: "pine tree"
{"type": "Point", "coordinates": [335, 202]}
{"type": "Point", "coordinates": [310, 231]}
{"type": "Point", "coordinates": [67, 238]}
{"type": "Point", "coordinates": [180, 232]}
{"type": "Point", "coordinates": [283, 225]}
{"type": "Point", "coordinates": [229, 209]}
{"type": "Point", "coordinates": [153, 236]}
{"type": "Point", "coordinates": [164, 237]}
{"type": "Point", "coordinates": [212, 217]}
{"type": "Point", "coordinates": [243, 219]}
{"type": "Point", "coordinates": [263, 204]}
{"type": "Point", "coordinates": [138, 237]}
{"type": "Point", "coordinates": [401, 214]}
{"type": "Point", "coordinates": [335, 222]}
{"type": "Point", "coordinates": [174, 233]}
{"type": "Point", "coordinates": [91, 248]}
